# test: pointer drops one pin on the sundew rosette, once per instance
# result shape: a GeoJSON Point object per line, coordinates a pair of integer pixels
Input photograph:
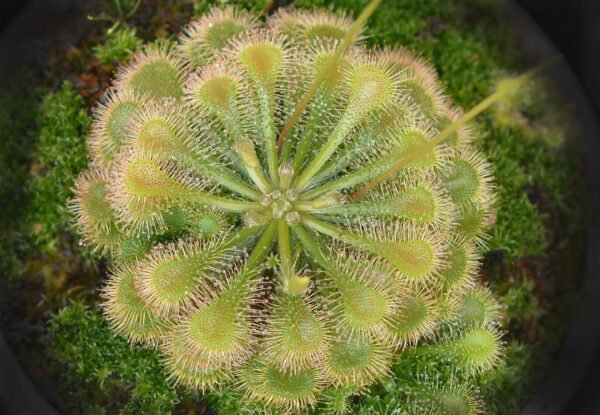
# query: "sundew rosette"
{"type": "Point", "coordinates": [287, 240]}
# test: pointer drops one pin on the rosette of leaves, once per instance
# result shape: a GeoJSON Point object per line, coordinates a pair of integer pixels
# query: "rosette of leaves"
{"type": "Point", "coordinates": [287, 210]}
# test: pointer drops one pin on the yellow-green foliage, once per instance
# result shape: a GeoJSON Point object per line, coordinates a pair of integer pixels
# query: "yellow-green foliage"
{"type": "Point", "coordinates": [376, 222]}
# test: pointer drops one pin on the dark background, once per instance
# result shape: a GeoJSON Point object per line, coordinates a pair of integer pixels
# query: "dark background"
{"type": "Point", "coordinates": [574, 27]}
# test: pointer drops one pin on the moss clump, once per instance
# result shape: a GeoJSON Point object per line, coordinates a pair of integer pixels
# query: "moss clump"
{"type": "Point", "coordinates": [103, 370]}
{"type": "Point", "coordinates": [118, 45]}
{"type": "Point", "coordinates": [59, 156]}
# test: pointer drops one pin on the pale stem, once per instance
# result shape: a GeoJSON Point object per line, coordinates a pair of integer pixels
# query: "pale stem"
{"type": "Point", "coordinates": [304, 206]}
{"type": "Point", "coordinates": [267, 112]}
{"type": "Point", "coordinates": [322, 227]}
{"type": "Point", "coordinates": [308, 135]}
{"type": "Point", "coordinates": [359, 176]}
{"type": "Point", "coordinates": [335, 232]}
{"type": "Point", "coordinates": [259, 253]}
{"type": "Point", "coordinates": [311, 247]}
{"type": "Point", "coordinates": [258, 178]}
{"type": "Point", "coordinates": [224, 178]}
{"type": "Point", "coordinates": [241, 236]}
{"type": "Point", "coordinates": [342, 160]}
{"type": "Point", "coordinates": [228, 205]}
{"type": "Point", "coordinates": [247, 153]}
{"type": "Point", "coordinates": [285, 249]}
{"type": "Point", "coordinates": [331, 65]}
{"type": "Point", "coordinates": [262, 247]}
{"type": "Point", "coordinates": [336, 138]}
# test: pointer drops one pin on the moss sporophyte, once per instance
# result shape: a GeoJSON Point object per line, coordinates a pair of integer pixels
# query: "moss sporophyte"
{"type": "Point", "coordinates": [287, 209]}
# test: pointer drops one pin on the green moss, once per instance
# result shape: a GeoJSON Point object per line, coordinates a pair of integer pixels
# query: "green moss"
{"type": "Point", "coordinates": [105, 370]}
{"type": "Point", "coordinates": [118, 45]}
{"type": "Point", "coordinates": [59, 156]}
{"type": "Point", "coordinates": [519, 298]}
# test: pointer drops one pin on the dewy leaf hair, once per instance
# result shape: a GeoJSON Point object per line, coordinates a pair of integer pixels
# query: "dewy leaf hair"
{"type": "Point", "coordinates": [292, 267]}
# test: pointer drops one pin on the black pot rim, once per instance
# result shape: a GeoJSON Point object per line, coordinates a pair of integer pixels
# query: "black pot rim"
{"type": "Point", "coordinates": [19, 396]}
